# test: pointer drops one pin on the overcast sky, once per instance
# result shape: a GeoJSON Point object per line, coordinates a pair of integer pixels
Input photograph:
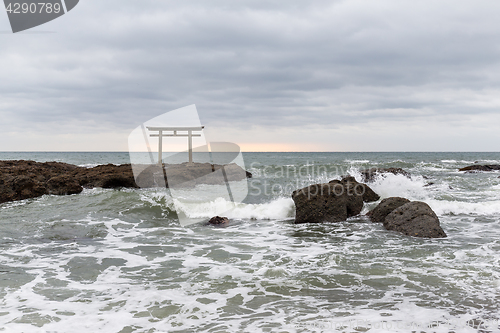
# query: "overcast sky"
{"type": "Point", "coordinates": [346, 75]}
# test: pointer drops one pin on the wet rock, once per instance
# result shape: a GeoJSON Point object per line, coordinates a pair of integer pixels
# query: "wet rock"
{"type": "Point", "coordinates": [332, 202]}
{"type": "Point", "coordinates": [184, 175]}
{"type": "Point", "coordinates": [63, 185]}
{"type": "Point", "coordinates": [21, 180]}
{"type": "Point", "coordinates": [415, 219]}
{"type": "Point", "coordinates": [218, 220]}
{"type": "Point", "coordinates": [150, 176]}
{"type": "Point", "coordinates": [21, 187]}
{"type": "Point", "coordinates": [106, 176]}
{"type": "Point", "coordinates": [385, 207]}
{"type": "Point", "coordinates": [480, 168]}
{"type": "Point", "coordinates": [28, 179]}
{"type": "Point", "coordinates": [369, 175]}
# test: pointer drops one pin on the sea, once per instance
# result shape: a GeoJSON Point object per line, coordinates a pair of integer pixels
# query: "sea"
{"type": "Point", "coordinates": [119, 260]}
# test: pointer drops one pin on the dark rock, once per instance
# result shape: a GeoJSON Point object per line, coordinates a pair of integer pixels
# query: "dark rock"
{"type": "Point", "coordinates": [332, 202]}
{"type": "Point", "coordinates": [369, 195]}
{"type": "Point", "coordinates": [353, 186]}
{"type": "Point", "coordinates": [385, 207]}
{"type": "Point", "coordinates": [183, 175]}
{"type": "Point", "coordinates": [150, 176]}
{"type": "Point", "coordinates": [218, 220]}
{"type": "Point", "coordinates": [21, 187]}
{"type": "Point", "coordinates": [28, 179]}
{"type": "Point", "coordinates": [369, 175]}
{"type": "Point", "coordinates": [63, 185]}
{"type": "Point", "coordinates": [106, 176]}
{"type": "Point", "coordinates": [429, 184]}
{"type": "Point", "coordinates": [415, 219]}
{"type": "Point", "coordinates": [478, 168]}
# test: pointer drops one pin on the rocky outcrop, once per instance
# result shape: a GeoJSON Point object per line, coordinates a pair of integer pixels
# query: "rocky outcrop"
{"type": "Point", "coordinates": [415, 219]}
{"type": "Point", "coordinates": [219, 221]}
{"type": "Point", "coordinates": [385, 207]}
{"type": "Point", "coordinates": [480, 168]}
{"type": "Point", "coordinates": [332, 202]}
{"type": "Point", "coordinates": [369, 175]}
{"type": "Point", "coordinates": [182, 175]}
{"type": "Point", "coordinates": [63, 185]}
{"type": "Point", "coordinates": [21, 180]}
{"type": "Point", "coordinates": [105, 176]}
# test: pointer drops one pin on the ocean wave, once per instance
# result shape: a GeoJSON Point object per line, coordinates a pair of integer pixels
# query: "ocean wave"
{"type": "Point", "coordinates": [279, 209]}
{"type": "Point", "coordinates": [443, 207]}
{"type": "Point", "coordinates": [357, 161]}
{"type": "Point", "coordinates": [455, 161]}
{"type": "Point", "coordinates": [89, 165]}
{"type": "Point", "coordinates": [389, 185]}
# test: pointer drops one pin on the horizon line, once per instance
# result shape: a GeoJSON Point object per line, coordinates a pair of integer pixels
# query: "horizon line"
{"type": "Point", "coordinates": [352, 151]}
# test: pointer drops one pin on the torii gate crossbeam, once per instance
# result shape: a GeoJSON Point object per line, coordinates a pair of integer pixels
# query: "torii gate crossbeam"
{"type": "Point", "coordinates": [172, 132]}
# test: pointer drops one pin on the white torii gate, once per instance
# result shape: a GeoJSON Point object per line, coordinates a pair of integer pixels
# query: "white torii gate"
{"type": "Point", "coordinates": [161, 135]}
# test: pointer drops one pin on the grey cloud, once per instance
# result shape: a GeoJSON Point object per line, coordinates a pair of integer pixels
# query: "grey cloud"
{"type": "Point", "coordinates": [264, 63]}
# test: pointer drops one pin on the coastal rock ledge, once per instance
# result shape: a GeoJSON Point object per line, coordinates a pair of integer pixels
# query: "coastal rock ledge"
{"type": "Point", "coordinates": [480, 168]}
{"type": "Point", "coordinates": [332, 202]}
{"type": "Point", "coordinates": [369, 175]}
{"type": "Point", "coordinates": [21, 179]}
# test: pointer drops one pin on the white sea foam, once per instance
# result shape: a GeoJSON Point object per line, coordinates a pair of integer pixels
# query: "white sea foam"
{"type": "Point", "coordinates": [357, 161]}
{"type": "Point", "coordinates": [461, 161]}
{"type": "Point", "coordinates": [141, 272]}
{"type": "Point", "coordinates": [89, 165]}
{"type": "Point", "coordinates": [442, 207]}
{"type": "Point", "coordinates": [389, 185]}
{"type": "Point", "coordinates": [278, 209]}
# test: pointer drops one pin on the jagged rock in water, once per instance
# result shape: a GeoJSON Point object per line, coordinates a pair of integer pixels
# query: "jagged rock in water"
{"type": "Point", "coordinates": [415, 219]}
{"type": "Point", "coordinates": [385, 207]}
{"type": "Point", "coordinates": [369, 175]}
{"type": "Point", "coordinates": [63, 185]}
{"type": "Point", "coordinates": [218, 220]}
{"type": "Point", "coordinates": [479, 168]}
{"type": "Point", "coordinates": [332, 202]}
{"type": "Point", "coordinates": [21, 179]}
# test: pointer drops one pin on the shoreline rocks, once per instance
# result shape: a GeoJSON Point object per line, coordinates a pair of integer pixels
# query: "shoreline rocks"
{"type": "Point", "coordinates": [219, 221]}
{"type": "Point", "coordinates": [412, 218]}
{"type": "Point", "coordinates": [369, 175]}
{"type": "Point", "coordinates": [332, 202]}
{"type": "Point", "coordinates": [385, 207]}
{"type": "Point", "coordinates": [480, 168]}
{"type": "Point", "coordinates": [20, 179]}
{"type": "Point", "coordinates": [415, 219]}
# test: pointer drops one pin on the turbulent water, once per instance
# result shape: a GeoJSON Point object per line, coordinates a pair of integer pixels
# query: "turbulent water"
{"type": "Point", "coordinates": [119, 261]}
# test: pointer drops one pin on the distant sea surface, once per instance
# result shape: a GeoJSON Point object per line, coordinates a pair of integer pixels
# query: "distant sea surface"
{"type": "Point", "coordinates": [118, 260]}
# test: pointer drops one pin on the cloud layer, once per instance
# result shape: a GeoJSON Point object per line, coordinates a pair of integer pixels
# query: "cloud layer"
{"type": "Point", "coordinates": [320, 75]}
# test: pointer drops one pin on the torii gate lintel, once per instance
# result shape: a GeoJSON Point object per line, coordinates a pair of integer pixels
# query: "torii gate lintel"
{"type": "Point", "coordinates": [174, 131]}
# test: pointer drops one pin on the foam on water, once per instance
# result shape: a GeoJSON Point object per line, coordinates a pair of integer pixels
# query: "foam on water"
{"type": "Point", "coordinates": [118, 261]}
{"type": "Point", "coordinates": [278, 209]}
{"type": "Point", "coordinates": [442, 207]}
{"type": "Point", "coordinates": [357, 161]}
{"type": "Point", "coordinates": [390, 185]}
